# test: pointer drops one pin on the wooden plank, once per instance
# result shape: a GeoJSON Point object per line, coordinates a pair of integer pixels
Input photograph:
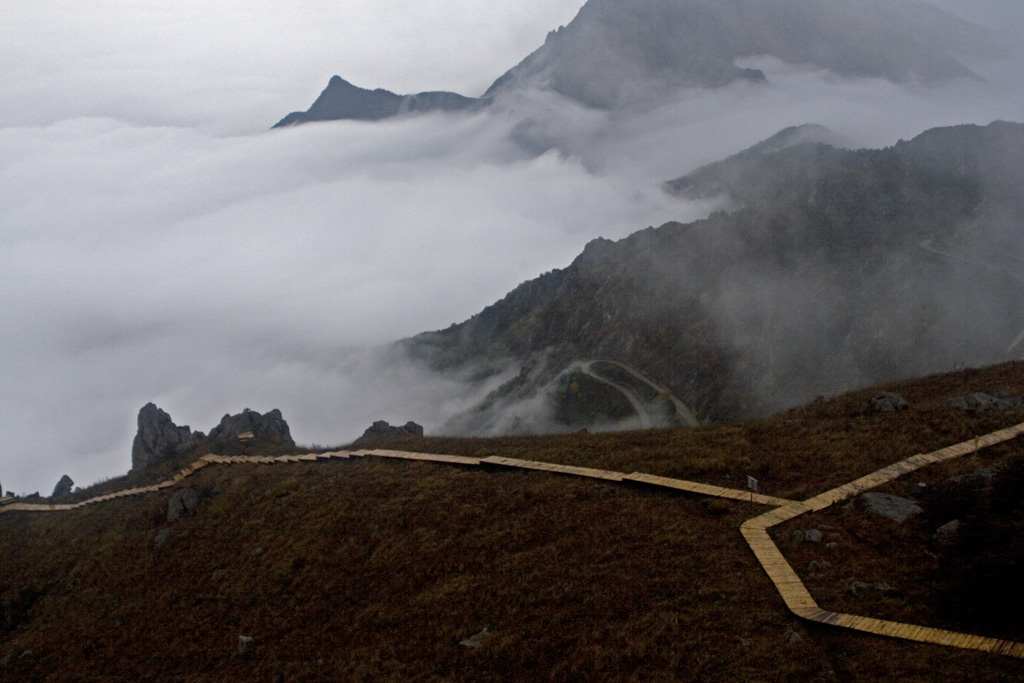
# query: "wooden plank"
{"type": "Point", "coordinates": [704, 489]}
{"type": "Point", "coordinates": [551, 467]}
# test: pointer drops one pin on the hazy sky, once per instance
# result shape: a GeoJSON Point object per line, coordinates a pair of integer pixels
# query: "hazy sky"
{"type": "Point", "coordinates": [159, 243]}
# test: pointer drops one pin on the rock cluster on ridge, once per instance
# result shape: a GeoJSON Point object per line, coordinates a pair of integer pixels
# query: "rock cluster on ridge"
{"type": "Point", "coordinates": [255, 430]}
{"type": "Point", "coordinates": [381, 428]}
{"type": "Point", "coordinates": [158, 438]}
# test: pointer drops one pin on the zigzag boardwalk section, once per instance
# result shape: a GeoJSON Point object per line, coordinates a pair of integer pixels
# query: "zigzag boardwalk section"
{"type": "Point", "coordinates": [799, 600]}
{"type": "Point", "coordinates": [755, 531]}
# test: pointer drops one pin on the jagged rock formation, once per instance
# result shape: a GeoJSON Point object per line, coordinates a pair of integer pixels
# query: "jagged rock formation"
{"type": "Point", "coordinates": [250, 429]}
{"type": "Point", "coordinates": [159, 438]}
{"type": "Point", "coordinates": [342, 100]}
{"type": "Point", "coordinates": [381, 429]}
{"type": "Point", "coordinates": [63, 487]}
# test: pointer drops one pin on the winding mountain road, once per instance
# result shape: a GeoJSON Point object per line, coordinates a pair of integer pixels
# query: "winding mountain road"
{"type": "Point", "coordinates": [649, 414]}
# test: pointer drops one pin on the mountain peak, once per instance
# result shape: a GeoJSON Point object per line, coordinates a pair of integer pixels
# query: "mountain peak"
{"type": "Point", "coordinates": [343, 100]}
{"type": "Point", "coordinates": [614, 53]}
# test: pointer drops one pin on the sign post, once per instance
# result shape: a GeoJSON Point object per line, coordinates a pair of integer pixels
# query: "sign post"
{"type": "Point", "coordinates": [752, 485]}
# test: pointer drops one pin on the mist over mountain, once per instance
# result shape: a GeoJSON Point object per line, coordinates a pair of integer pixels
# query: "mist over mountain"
{"type": "Point", "coordinates": [615, 53]}
{"type": "Point", "coordinates": [160, 245]}
{"type": "Point", "coordinates": [837, 268]}
{"type": "Point", "coordinates": [619, 53]}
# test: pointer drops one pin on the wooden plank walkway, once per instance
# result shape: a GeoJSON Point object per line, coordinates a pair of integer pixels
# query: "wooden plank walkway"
{"type": "Point", "coordinates": [423, 457]}
{"type": "Point", "coordinates": [705, 489]}
{"type": "Point", "coordinates": [606, 475]}
{"type": "Point", "coordinates": [755, 531]}
{"type": "Point", "coordinates": [793, 591]}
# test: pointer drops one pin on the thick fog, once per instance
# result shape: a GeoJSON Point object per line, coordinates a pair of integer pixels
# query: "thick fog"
{"type": "Point", "coordinates": [159, 243]}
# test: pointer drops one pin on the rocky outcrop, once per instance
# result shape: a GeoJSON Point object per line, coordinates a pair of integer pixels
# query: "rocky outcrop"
{"type": "Point", "coordinates": [984, 404]}
{"type": "Point", "coordinates": [381, 429]}
{"type": "Point", "coordinates": [342, 100]}
{"type": "Point", "coordinates": [158, 438]}
{"type": "Point", "coordinates": [63, 487]}
{"type": "Point", "coordinates": [249, 429]}
{"type": "Point", "coordinates": [885, 402]}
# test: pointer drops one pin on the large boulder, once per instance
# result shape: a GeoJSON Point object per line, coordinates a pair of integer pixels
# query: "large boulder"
{"type": "Point", "coordinates": [893, 507]}
{"type": "Point", "coordinates": [158, 438]}
{"type": "Point", "coordinates": [250, 430]}
{"type": "Point", "coordinates": [63, 487]}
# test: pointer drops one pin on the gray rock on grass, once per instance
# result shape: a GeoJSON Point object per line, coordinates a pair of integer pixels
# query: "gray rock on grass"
{"type": "Point", "coordinates": [892, 507]}
{"type": "Point", "coordinates": [885, 402]}
{"type": "Point", "coordinates": [182, 502]}
{"type": "Point", "coordinates": [947, 534]}
{"type": "Point", "coordinates": [980, 403]}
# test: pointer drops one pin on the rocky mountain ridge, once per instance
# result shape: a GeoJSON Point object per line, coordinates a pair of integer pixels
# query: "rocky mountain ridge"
{"type": "Point", "coordinates": [619, 53]}
{"type": "Point", "coordinates": [818, 280]}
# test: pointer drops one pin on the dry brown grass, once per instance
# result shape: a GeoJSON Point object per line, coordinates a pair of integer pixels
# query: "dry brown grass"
{"type": "Point", "coordinates": [374, 570]}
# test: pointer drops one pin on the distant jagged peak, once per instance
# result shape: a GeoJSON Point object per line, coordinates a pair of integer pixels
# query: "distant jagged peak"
{"type": "Point", "coordinates": [342, 100]}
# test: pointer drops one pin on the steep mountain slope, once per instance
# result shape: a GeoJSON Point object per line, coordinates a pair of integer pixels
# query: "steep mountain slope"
{"type": "Point", "coordinates": [837, 268]}
{"type": "Point", "coordinates": [616, 53]}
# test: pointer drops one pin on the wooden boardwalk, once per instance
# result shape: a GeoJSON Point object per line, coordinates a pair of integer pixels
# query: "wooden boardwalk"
{"type": "Point", "coordinates": [799, 600]}
{"type": "Point", "coordinates": [792, 590]}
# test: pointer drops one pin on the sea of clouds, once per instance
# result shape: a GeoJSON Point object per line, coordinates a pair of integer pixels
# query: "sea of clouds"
{"type": "Point", "coordinates": [159, 243]}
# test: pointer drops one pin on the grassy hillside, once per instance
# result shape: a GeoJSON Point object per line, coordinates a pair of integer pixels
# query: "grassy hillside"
{"type": "Point", "coordinates": [376, 570]}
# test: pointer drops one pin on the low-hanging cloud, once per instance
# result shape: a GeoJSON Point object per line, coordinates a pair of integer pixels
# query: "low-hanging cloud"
{"type": "Point", "coordinates": [170, 251]}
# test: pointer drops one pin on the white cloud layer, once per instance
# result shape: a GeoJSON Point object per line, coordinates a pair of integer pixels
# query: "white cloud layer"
{"type": "Point", "coordinates": [158, 243]}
